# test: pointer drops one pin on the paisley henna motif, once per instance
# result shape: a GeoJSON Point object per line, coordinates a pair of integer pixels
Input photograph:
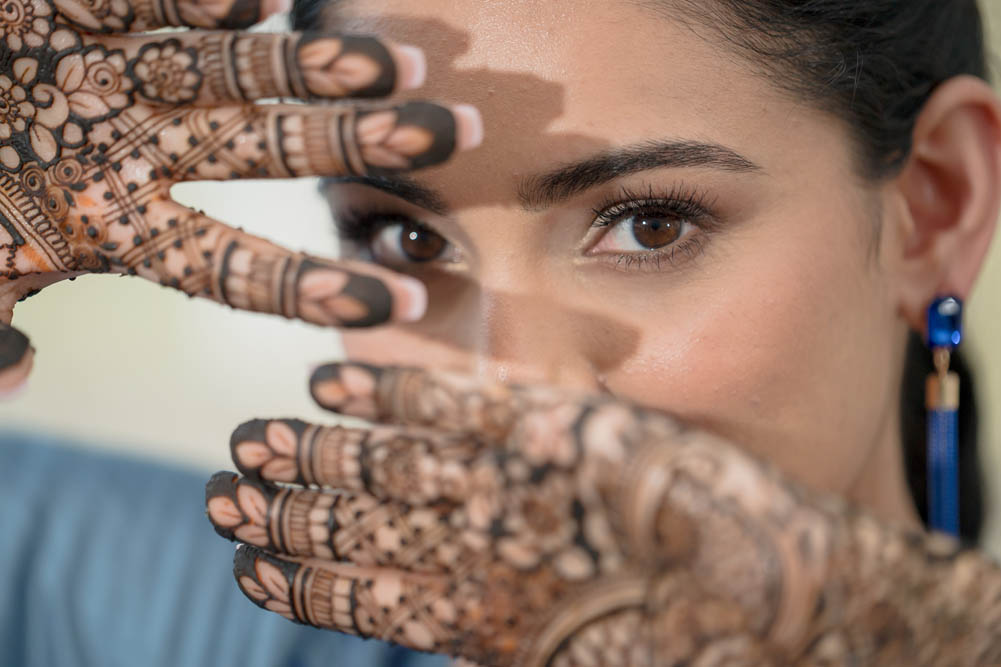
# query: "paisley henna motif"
{"type": "Point", "coordinates": [517, 526]}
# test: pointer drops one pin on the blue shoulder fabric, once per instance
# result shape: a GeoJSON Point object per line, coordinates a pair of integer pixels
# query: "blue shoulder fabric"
{"type": "Point", "coordinates": [108, 561]}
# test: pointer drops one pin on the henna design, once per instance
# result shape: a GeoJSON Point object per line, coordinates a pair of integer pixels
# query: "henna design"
{"type": "Point", "coordinates": [166, 72]}
{"type": "Point", "coordinates": [105, 16]}
{"type": "Point", "coordinates": [246, 67]}
{"type": "Point", "coordinates": [562, 530]}
{"type": "Point", "coordinates": [94, 130]}
{"type": "Point", "coordinates": [14, 345]}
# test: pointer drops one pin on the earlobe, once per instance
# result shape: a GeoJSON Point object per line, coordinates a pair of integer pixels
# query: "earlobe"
{"type": "Point", "coordinates": [950, 188]}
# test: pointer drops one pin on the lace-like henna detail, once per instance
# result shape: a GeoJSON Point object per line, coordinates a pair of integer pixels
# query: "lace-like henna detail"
{"type": "Point", "coordinates": [107, 16]}
{"type": "Point", "coordinates": [585, 531]}
{"type": "Point", "coordinates": [85, 169]}
{"type": "Point", "coordinates": [244, 67]}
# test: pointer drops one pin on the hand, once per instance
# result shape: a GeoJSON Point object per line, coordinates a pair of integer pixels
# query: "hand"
{"type": "Point", "coordinates": [96, 125]}
{"type": "Point", "coordinates": [521, 526]}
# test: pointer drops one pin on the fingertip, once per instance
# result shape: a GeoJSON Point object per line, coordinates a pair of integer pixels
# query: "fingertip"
{"type": "Point", "coordinates": [222, 483]}
{"type": "Point", "coordinates": [411, 66]}
{"type": "Point", "coordinates": [324, 373]}
{"type": "Point", "coordinates": [252, 431]}
{"type": "Point", "coordinates": [410, 302]}
{"type": "Point", "coordinates": [469, 126]}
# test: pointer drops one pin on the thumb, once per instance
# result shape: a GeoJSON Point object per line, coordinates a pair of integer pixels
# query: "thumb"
{"type": "Point", "coordinates": [16, 359]}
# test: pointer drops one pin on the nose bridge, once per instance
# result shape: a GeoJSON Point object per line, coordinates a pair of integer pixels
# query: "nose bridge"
{"type": "Point", "coordinates": [530, 338]}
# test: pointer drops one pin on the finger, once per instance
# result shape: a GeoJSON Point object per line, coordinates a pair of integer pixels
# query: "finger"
{"type": "Point", "coordinates": [416, 397]}
{"type": "Point", "coordinates": [348, 527]}
{"type": "Point", "coordinates": [388, 463]}
{"type": "Point", "coordinates": [16, 360]}
{"type": "Point", "coordinates": [520, 503]}
{"type": "Point", "coordinates": [214, 68]}
{"type": "Point", "coordinates": [186, 250]}
{"type": "Point", "coordinates": [409, 610]}
{"type": "Point", "coordinates": [285, 141]}
{"type": "Point", "coordinates": [138, 15]}
{"type": "Point", "coordinates": [535, 420]}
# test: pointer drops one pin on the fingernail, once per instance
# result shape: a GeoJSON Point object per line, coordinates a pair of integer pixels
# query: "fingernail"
{"type": "Point", "coordinates": [411, 66]}
{"type": "Point", "coordinates": [410, 302]}
{"type": "Point", "coordinates": [271, 7]}
{"type": "Point", "coordinates": [469, 123]}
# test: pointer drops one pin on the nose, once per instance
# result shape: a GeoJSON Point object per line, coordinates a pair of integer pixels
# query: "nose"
{"type": "Point", "coordinates": [530, 339]}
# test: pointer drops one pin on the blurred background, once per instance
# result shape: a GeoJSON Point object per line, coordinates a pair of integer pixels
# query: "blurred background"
{"type": "Point", "coordinates": [127, 367]}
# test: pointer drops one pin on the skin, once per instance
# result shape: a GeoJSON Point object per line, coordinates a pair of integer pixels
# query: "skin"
{"type": "Point", "coordinates": [521, 526]}
{"type": "Point", "coordinates": [95, 126]}
{"type": "Point", "coordinates": [783, 334]}
{"type": "Point", "coordinates": [582, 525]}
{"type": "Point", "coordinates": [528, 526]}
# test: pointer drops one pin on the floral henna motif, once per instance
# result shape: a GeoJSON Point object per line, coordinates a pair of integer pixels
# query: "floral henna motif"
{"type": "Point", "coordinates": [94, 131]}
{"type": "Point", "coordinates": [584, 531]}
{"type": "Point", "coordinates": [25, 23]}
{"type": "Point", "coordinates": [94, 82]}
{"type": "Point", "coordinates": [166, 72]}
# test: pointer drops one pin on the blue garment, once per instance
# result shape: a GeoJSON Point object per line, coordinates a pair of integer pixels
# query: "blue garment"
{"type": "Point", "coordinates": [107, 561]}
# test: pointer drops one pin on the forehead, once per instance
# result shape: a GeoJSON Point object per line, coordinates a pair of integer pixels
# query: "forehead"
{"type": "Point", "coordinates": [559, 80]}
{"type": "Point", "coordinates": [612, 55]}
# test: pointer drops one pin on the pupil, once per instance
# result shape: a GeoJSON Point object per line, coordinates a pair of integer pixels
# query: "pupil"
{"type": "Point", "coordinates": [653, 233]}
{"type": "Point", "coordinates": [420, 244]}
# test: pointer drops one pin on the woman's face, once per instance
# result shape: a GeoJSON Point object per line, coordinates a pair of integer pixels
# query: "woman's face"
{"type": "Point", "coordinates": [646, 217]}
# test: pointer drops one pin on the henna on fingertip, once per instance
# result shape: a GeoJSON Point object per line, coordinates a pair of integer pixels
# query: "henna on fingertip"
{"type": "Point", "coordinates": [210, 69]}
{"type": "Point", "coordinates": [16, 361]}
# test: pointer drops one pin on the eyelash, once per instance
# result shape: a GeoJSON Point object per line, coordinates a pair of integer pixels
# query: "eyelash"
{"type": "Point", "coordinates": [680, 203]}
{"type": "Point", "coordinates": [360, 227]}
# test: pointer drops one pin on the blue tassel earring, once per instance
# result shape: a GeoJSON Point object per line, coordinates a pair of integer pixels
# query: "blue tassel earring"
{"type": "Point", "coordinates": [945, 332]}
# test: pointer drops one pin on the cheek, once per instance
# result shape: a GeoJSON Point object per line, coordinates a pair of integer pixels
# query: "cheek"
{"type": "Point", "coordinates": [783, 351]}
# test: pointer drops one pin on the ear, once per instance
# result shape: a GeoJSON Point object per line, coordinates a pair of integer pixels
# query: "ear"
{"type": "Point", "coordinates": [950, 196]}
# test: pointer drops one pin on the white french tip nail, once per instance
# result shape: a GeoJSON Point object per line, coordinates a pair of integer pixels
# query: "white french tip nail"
{"type": "Point", "coordinates": [470, 126]}
{"type": "Point", "coordinates": [413, 67]}
{"type": "Point", "coordinates": [416, 299]}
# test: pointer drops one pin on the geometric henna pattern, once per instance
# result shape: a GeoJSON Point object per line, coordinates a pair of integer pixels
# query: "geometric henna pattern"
{"type": "Point", "coordinates": [517, 526]}
{"type": "Point", "coordinates": [95, 129]}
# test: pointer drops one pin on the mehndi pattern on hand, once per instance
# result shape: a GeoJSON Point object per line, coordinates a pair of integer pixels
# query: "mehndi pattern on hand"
{"type": "Point", "coordinates": [523, 526]}
{"type": "Point", "coordinates": [96, 125]}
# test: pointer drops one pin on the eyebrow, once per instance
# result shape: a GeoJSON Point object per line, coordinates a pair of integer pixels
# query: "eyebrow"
{"type": "Point", "coordinates": [400, 186]}
{"type": "Point", "coordinates": [545, 190]}
{"type": "Point", "coordinates": [542, 191]}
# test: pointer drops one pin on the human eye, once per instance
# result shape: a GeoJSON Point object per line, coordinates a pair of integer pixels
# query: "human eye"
{"type": "Point", "coordinates": [643, 232]}
{"type": "Point", "coordinates": [390, 238]}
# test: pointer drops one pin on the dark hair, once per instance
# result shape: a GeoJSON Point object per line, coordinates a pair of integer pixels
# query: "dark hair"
{"type": "Point", "coordinates": [873, 64]}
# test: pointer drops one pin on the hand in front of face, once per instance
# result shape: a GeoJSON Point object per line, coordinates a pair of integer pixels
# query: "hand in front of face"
{"type": "Point", "coordinates": [517, 526]}
{"type": "Point", "coordinates": [96, 125]}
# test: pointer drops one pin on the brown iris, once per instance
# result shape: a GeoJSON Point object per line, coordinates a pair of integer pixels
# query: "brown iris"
{"type": "Point", "coordinates": [421, 244]}
{"type": "Point", "coordinates": [653, 232]}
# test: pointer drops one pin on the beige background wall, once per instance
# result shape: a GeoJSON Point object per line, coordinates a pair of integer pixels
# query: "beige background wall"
{"type": "Point", "coordinates": [133, 368]}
